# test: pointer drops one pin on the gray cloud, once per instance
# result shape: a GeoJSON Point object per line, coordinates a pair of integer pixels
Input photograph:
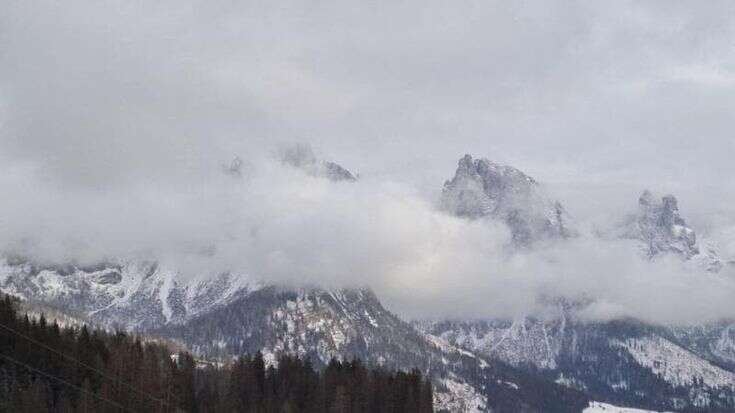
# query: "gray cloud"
{"type": "Point", "coordinates": [116, 119]}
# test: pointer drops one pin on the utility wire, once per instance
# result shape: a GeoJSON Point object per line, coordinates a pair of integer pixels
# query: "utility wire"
{"type": "Point", "coordinates": [60, 380]}
{"type": "Point", "coordinates": [81, 363]}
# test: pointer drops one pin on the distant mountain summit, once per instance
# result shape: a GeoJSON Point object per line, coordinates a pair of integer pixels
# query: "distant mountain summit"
{"type": "Point", "coordinates": [481, 188]}
{"type": "Point", "coordinates": [660, 226]}
{"type": "Point", "coordinates": [662, 230]}
{"type": "Point", "coordinates": [301, 156]}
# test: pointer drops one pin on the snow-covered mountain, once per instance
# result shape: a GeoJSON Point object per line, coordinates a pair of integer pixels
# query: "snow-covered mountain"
{"type": "Point", "coordinates": [481, 188]}
{"type": "Point", "coordinates": [130, 295]}
{"type": "Point", "coordinates": [622, 361]}
{"type": "Point", "coordinates": [535, 364]}
{"type": "Point", "coordinates": [523, 341]}
{"type": "Point", "coordinates": [226, 315]}
{"type": "Point", "coordinates": [223, 315]}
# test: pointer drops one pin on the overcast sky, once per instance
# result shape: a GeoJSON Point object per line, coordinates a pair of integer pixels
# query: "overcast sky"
{"type": "Point", "coordinates": [116, 118]}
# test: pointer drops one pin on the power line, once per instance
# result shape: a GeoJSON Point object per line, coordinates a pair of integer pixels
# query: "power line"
{"type": "Point", "coordinates": [101, 373]}
{"type": "Point", "coordinates": [60, 380]}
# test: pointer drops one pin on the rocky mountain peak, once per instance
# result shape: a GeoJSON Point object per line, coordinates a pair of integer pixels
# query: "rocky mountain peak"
{"type": "Point", "coordinates": [659, 225]}
{"type": "Point", "coordinates": [301, 156]}
{"type": "Point", "coordinates": [481, 188]}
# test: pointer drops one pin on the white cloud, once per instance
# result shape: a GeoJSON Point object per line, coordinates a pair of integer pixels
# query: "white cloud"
{"type": "Point", "coordinates": [116, 117]}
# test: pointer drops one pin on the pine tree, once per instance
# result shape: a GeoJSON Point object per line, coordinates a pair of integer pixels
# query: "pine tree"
{"type": "Point", "coordinates": [116, 371]}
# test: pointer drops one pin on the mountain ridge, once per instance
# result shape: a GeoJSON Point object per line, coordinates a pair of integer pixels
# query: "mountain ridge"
{"type": "Point", "coordinates": [555, 344]}
{"type": "Point", "coordinates": [478, 365]}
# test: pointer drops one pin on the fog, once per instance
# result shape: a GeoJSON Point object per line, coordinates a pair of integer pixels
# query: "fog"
{"type": "Point", "coordinates": [118, 121]}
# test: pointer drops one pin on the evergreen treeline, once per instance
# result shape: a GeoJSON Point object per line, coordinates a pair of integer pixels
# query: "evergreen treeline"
{"type": "Point", "coordinates": [46, 368]}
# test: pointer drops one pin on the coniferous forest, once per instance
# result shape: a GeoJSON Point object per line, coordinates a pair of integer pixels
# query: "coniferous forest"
{"type": "Point", "coordinates": [47, 368]}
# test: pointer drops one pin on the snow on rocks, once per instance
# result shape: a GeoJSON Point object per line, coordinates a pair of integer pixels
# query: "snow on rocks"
{"type": "Point", "coordinates": [456, 396]}
{"type": "Point", "coordinates": [675, 364]}
{"type": "Point", "coordinates": [597, 407]}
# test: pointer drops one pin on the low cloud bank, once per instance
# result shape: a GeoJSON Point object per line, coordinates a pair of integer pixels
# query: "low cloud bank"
{"type": "Point", "coordinates": [119, 122]}
{"type": "Point", "coordinates": [281, 225]}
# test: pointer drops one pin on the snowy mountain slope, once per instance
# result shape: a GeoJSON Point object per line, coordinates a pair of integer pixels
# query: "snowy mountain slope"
{"type": "Point", "coordinates": [675, 364]}
{"type": "Point", "coordinates": [223, 316]}
{"type": "Point", "coordinates": [353, 323]}
{"type": "Point", "coordinates": [654, 371]}
{"type": "Point", "coordinates": [714, 341]}
{"type": "Point", "coordinates": [132, 295]}
{"type": "Point", "coordinates": [621, 361]}
{"type": "Point", "coordinates": [316, 323]}
{"type": "Point", "coordinates": [522, 341]}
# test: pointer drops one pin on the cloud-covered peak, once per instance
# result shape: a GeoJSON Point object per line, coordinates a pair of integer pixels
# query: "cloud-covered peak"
{"type": "Point", "coordinates": [660, 226]}
{"type": "Point", "coordinates": [482, 188]}
{"type": "Point", "coordinates": [661, 229]}
{"type": "Point", "coordinates": [301, 156]}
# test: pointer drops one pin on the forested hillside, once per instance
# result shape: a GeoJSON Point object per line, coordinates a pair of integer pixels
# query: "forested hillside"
{"type": "Point", "coordinates": [48, 368]}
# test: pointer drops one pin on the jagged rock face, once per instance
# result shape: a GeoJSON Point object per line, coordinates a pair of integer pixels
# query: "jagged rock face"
{"type": "Point", "coordinates": [661, 227]}
{"type": "Point", "coordinates": [481, 188]}
{"type": "Point", "coordinates": [523, 341]}
{"type": "Point", "coordinates": [302, 157]}
{"type": "Point", "coordinates": [336, 172]}
{"type": "Point", "coordinates": [661, 230]}
{"type": "Point", "coordinates": [313, 323]}
{"type": "Point", "coordinates": [519, 342]}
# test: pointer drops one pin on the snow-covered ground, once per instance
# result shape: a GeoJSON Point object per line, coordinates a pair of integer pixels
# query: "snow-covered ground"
{"type": "Point", "coordinates": [597, 407]}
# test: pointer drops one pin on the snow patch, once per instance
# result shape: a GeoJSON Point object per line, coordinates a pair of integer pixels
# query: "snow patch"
{"type": "Point", "coordinates": [598, 407]}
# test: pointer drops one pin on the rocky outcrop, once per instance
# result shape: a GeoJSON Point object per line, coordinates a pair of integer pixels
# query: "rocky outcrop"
{"type": "Point", "coordinates": [481, 188]}
{"type": "Point", "coordinates": [661, 229]}
{"type": "Point", "coordinates": [301, 156]}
